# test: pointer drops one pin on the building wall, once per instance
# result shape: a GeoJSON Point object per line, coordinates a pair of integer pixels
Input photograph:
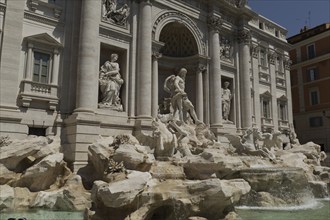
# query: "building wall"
{"type": "Point", "coordinates": [251, 54]}
{"type": "Point", "coordinates": [306, 112]}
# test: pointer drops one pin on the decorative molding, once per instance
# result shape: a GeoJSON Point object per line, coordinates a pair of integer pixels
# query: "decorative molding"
{"type": "Point", "coordinates": [41, 18]}
{"type": "Point", "coordinates": [272, 57]}
{"type": "Point", "coordinates": [244, 36]}
{"type": "Point", "coordinates": [237, 3]}
{"type": "Point", "coordinates": [201, 68]}
{"type": "Point", "coordinates": [255, 51]}
{"type": "Point", "coordinates": [120, 36]}
{"type": "Point", "coordinates": [33, 5]}
{"type": "Point", "coordinates": [287, 63]}
{"type": "Point", "coordinates": [2, 7]}
{"type": "Point", "coordinates": [214, 22]}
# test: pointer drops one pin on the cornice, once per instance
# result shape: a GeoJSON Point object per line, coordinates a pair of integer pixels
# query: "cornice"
{"type": "Point", "coordinates": [41, 18]}
{"type": "Point", "coordinates": [315, 60]}
{"type": "Point", "coordinates": [110, 33]}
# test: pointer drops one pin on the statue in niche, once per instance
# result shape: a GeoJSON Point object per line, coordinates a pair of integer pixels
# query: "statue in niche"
{"type": "Point", "coordinates": [175, 85]}
{"type": "Point", "coordinates": [111, 13]}
{"type": "Point", "coordinates": [226, 101]}
{"type": "Point", "coordinates": [110, 83]}
{"type": "Point", "coordinates": [226, 50]}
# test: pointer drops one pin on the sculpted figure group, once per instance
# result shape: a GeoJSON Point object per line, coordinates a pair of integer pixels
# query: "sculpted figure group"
{"type": "Point", "coordinates": [111, 13]}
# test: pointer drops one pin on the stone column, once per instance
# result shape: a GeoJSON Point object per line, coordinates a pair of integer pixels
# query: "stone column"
{"type": "Point", "coordinates": [287, 63]}
{"type": "Point", "coordinates": [244, 52]}
{"type": "Point", "coordinates": [56, 64]}
{"type": "Point", "coordinates": [154, 93]}
{"type": "Point", "coordinates": [272, 73]}
{"type": "Point", "coordinates": [10, 53]}
{"type": "Point", "coordinates": [144, 73]}
{"type": "Point", "coordinates": [133, 58]}
{"type": "Point", "coordinates": [255, 71]}
{"type": "Point", "coordinates": [29, 60]}
{"type": "Point", "coordinates": [88, 67]}
{"type": "Point", "coordinates": [200, 92]}
{"type": "Point", "coordinates": [214, 24]}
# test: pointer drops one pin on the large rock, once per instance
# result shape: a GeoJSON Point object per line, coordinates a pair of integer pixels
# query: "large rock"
{"type": "Point", "coordinates": [23, 198]}
{"type": "Point", "coordinates": [210, 162]}
{"type": "Point", "coordinates": [7, 196]}
{"type": "Point", "coordinates": [72, 197]}
{"type": "Point", "coordinates": [45, 173]}
{"type": "Point", "coordinates": [311, 150]}
{"type": "Point", "coordinates": [135, 157]}
{"type": "Point", "coordinates": [319, 189]}
{"type": "Point", "coordinates": [21, 153]}
{"type": "Point", "coordinates": [7, 177]}
{"type": "Point", "coordinates": [121, 193]}
{"type": "Point", "coordinates": [99, 154]}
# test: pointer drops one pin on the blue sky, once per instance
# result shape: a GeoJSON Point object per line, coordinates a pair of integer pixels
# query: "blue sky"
{"type": "Point", "coordinates": [293, 14]}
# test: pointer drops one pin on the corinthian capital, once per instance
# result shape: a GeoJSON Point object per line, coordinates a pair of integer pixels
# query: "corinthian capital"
{"type": "Point", "coordinates": [214, 22]}
{"type": "Point", "coordinates": [244, 36]}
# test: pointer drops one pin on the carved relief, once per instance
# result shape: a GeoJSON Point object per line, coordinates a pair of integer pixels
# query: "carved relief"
{"type": "Point", "coordinates": [226, 49]}
{"type": "Point", "coordinates": [244, 36]}
{"type": "Point", "coordinates": [111, 12]}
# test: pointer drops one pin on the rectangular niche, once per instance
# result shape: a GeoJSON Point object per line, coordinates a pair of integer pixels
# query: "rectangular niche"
{"type": "Point", "coordinates": [225, 99]}
{"type": "Point", "coordinates": [113, 87]}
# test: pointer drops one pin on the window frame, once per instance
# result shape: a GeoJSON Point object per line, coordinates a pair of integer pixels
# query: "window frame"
{"type": "Point", "coordinates": [308, 52]}
{"type": "Point", "coordinates": [315, 74]}
{"type": "Point", "coordinates": [311, 91]}
{"type": "Point", "coordinates": [49, 66]}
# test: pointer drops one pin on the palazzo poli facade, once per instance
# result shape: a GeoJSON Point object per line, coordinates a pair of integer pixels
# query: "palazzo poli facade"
{"type": "Point", "coordinates": [53, 53]}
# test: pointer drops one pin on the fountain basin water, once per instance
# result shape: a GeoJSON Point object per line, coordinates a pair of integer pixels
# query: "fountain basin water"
{"type": "Point", "coordinates": [42, 214]}
{"type": "Point", "coordinates": [316, 210]}
{"type": "Point", "coordinates": [275, 186]}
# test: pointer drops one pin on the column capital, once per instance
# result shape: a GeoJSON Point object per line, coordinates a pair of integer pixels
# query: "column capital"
{"type": "Point", "coordinates": [287, 63]}
{"type": "Point", "coordinates": [156, 54]}
{"type": "Point", "coordinates": [244, 36]}
{"type": "Point", "coordinates": [201, 68]}
{"type": "Point", "coordinates": [255, 51]}
{"type": "Point", "coordinates": [214, 23]}
{"type": "Point", "coordinates": [272, 57]}
{"type": "Point", "coordinates": [30, 45]}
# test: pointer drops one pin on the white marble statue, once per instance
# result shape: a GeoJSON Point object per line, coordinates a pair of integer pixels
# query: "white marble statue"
{"type": "Point", "coordinates": [226, 101]}
{"type": "Point", "coordinates": [175, 85]}
{"type": "Point", "coordinates": [110, 83]}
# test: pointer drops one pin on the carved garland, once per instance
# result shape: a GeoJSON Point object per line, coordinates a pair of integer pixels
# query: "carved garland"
{"type": "Point", "coordinates": [182, 17]}
{"type": "Point", "coordinates": [255, 51]}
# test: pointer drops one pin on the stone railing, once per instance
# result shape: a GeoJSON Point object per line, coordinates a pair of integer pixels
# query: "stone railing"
{"type": "Point", "coordinates": [35, 91]}
{"type": "Point", "coordinates": [283, 124]}
{"type": "Point", "coordinates": [267, 121]}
